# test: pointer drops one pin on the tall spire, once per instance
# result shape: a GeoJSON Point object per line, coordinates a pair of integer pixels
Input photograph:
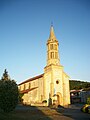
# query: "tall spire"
{"type": "Point", "coordinates": [52, 35]}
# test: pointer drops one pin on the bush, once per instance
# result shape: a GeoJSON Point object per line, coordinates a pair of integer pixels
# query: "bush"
{"type": "Point", "coordinates": [20, 99]}
{"type": "Point", "coordinates": [88, 100]}
{"type": "Point", "coordinates": [8, 94]}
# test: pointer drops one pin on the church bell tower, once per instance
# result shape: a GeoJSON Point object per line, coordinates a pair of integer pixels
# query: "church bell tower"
{"type": "Point", "coordinates": [52, 49]}
{"type": "Point", "coordinates": [56, 81]}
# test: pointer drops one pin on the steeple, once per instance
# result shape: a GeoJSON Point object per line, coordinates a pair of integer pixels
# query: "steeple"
{"type": "Point", "coordinates": [52, 49]}
{"type": "Point", "coordinates": [52, 35]}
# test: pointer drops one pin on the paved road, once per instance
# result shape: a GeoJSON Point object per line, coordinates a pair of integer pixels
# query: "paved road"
{"type": "Point", "coordinates": [71, 113]}
{"type": "Point", "coordinates": [74, 113]}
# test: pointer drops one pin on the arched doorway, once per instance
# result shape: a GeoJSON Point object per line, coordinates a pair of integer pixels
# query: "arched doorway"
{"type": "Point", "coordinates": [59, 99]}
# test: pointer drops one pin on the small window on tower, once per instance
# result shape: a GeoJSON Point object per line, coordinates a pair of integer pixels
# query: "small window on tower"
{"type": "Point", "coordinates": [51, 46]}
{"type": "Point", "coordinates": [56, 55]}
{"type": "Point", "coordinates": [52, 54]}
{"type": "Point", "coordinates": [55, 47]}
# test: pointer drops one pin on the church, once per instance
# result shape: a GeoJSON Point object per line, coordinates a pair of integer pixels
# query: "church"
{"type": "Point", "coordinates": [51, 87]}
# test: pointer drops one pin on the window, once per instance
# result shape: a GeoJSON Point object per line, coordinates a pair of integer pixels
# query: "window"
{"type": "Point", "coordinates": [57, 82]}
{"type": "Point", "coordinates": [55, 47]}
{"type": "Point", "coordinates": [52, 54]}
{"type": "Point", "coordinates": [56, 55]}
{"type": "Point", "coordinates": [29, 86]}
{"type": "Point", "coordinates": [51, 46]}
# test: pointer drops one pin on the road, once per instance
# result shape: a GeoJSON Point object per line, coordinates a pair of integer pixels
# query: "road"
{"type": "Point", "coordinates": [74, 113]}
{"type": "Point", "coordinates": [45, 113]}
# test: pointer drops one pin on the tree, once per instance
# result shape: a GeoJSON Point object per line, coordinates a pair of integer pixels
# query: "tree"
{"type": "Point", "coordinates": [74, 84]}
{"type": "Point", "coordinates": [20, 99]}
{"type": "Point", "coordinates": [8, 93]}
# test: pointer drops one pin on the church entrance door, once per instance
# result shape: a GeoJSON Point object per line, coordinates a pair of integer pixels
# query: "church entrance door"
{"type": "Point", "coordinates": [59, 99]}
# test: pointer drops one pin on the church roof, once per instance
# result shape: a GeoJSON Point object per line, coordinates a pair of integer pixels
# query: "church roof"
{"type": "Point", "coordinates": [31, 79]}
{"type": "Point", "coordinates": [27, 90]}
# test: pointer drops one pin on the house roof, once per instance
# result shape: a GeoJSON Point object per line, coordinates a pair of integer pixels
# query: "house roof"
{"type": "Point", "coordinates": [31, 79]}
{"type": "Point", "coordinates": [75, 91]}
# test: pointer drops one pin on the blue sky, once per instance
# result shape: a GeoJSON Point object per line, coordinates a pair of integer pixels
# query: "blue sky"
{"type": "Point", "coordinates": [24, 31]}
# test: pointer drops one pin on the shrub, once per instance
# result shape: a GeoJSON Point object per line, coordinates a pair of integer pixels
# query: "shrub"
{"type": "Point", "coordinates": [20, 99]}
{"type": "Point", "coordinates": [88, 100]}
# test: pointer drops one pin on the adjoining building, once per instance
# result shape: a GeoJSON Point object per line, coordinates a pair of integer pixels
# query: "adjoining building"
{"type": "Point", "coordinates": [52, 86]}
{"type": "Point", "coordinates": [79, 96]}
{"type": "Point", "coordinates": [75, 96]}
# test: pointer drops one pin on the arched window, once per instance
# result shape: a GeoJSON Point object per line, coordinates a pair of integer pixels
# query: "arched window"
{"type": "Point", "coordinates": [52, 55]}
{"type": "Point", "coordinates": [51, 46]}
{"type": "Point", "coordinates": [29, 85]}
{"type": "Point", "coordinates": [56, 55]}
{"type": "Point", "coordinates": [55, 47]}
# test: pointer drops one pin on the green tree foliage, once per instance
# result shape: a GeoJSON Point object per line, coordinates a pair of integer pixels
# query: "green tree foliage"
{"type": "Point", "coordinates": [20, 99]}
{"type": "Point", "coordinates": [88, 100]}
{"type": "Point", "coordinates": [8, 93]}
{"type": "Point", "coordinates": [74, 84]}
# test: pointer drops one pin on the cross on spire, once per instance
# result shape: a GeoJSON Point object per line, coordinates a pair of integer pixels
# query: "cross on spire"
{"type": "Point", "coordinates": [52, 24]}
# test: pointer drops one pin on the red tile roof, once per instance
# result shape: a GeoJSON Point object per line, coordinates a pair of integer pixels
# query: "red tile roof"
{"type": "Point", "coordinates": [75, 91]}
{"type": "Point", "coordinates": [27, 90]}
{"type": "Point", "coordinates": [31, 79]}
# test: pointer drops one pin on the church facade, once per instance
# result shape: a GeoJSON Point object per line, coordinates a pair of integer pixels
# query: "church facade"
{"type": "Point", "coordinates": [51, 87]}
